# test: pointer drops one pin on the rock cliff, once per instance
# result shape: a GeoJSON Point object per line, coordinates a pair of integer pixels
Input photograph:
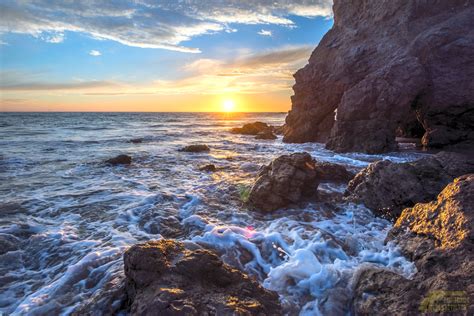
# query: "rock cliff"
{"type": "Point", "coordinates": [389, 67]}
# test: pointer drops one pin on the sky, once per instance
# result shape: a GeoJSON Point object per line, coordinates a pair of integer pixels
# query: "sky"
{"type": "Point", "coordinates": [143, 55]}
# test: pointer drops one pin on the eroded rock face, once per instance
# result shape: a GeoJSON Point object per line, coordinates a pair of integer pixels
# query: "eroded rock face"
{"type": "Point", "coordinates": [168, 277]}
{"type": "Point", "coordinates": [286, 180]}
{"type": "Point", "coordinates": [383, 65]}
{"type": "Point", "coordinates": [387, 187]}
{"type": "Point", "coordinates": [439, 237]}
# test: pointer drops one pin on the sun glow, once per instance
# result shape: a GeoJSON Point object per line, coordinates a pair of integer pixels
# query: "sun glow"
{"type": "Point", "coordinates": [228, 105]}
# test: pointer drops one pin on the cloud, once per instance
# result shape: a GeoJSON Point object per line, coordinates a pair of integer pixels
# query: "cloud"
{"type": "Point", "coordinates": [147, 23]}
{"type": "Point", "coordinates": [95, 53]}
{"type": "Point", "coordinates": [262, 72]}
{"type": "Point", "coordinates": [265, 33]}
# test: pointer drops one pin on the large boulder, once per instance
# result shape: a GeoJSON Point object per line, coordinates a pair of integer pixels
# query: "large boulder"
{"type": "Point", "coordinates": [168, 277]}
{"type": "Point", "coordinates": [286, 180]}
{"type": "Point", "coordinates": [439, 237]}
{"type": "Point", "coordinates": [387, 187]}
{"type": "Point", "coordinates": [383, 65]}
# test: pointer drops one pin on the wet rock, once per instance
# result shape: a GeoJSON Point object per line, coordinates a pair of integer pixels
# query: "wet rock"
{"type": "Point", "coordinates": [167, 277]}
{"type": "Point", "coordinates": [379, 74]}
{"type": "Point", "coordinates": [8, 243]}
{"type": "Point", "coordinates": [438, 237]}
{"type": "Point", "coordinates": [208, 168]}
{"type": "Point", "coordinates": [279, 130]}
{"type": "Point", "coordinates": [266, 134]}
{"type": "Point", "coordinates": [286, 180]}
{"type": "Point", "coordinates": [120, 160]}
{"type": "Point", "coordinates": [251, 128]}
{"type": "Point", "coordinates": [387, 187]}
{"type": "Point", "coordinates": [136, 140]}
{"type": "Point", "coordinates": [333, 172]}
{"type": "Point", "coordinates": [195, 148]}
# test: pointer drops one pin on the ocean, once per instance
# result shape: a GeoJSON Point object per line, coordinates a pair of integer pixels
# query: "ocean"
{"type": "Point", "coordinates": [67, 217]}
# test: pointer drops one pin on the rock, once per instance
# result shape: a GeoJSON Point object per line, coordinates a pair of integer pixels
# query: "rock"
{"type": "Point", "coordinates": [208, 168]}
{"type": "Point", "coordinates": [439, 237]}
{"type": "Point", "coordinates": [383, 66]}
{"type": "Point", "coordinates": [267, 135]}
{"type": "Point", "coordinates": [167, 277]}
{"type": "Point", "coordinates": [286, 180]}
{"type": "Point", "coordinates": [333, 172]}
{"type": "Point", "coordinates": [8, 243]}
{"type": "Point", "coordinates": [120, 160]}
{"type": "Point", "coordinates": [279, 130]}
{"type": "Point", "coordinates": [251, 128]}
{"type": "Point", "coordinates": [136, 140]}
{"type": "Point", "coordinates": [195, 148]}
{"type": "Point", "coordinates": [387, 187]}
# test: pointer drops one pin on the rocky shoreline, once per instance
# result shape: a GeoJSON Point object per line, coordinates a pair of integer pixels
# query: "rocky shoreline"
{"type": "Point", "coordinates": [431, 201]}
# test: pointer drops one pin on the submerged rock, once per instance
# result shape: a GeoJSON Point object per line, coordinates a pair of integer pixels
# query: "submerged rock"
{"type": "Point", "coordinates": [168, 277]}
{"type": "Point", "coordinates": [267, 135]}
{"type": "Point", "coordinates": [8, 243]}
{"type": "Point", "coordinates": [439, 237]}
{"type": "Point", "coordinates": [286, 180]}
{"type": "Point", "coordinates": [136, 140]}
{"type": "Point", "coordinates": [251, 128]}
{"type": "Point", "coordinates": [208, 168]}
{"type": "Point", "coordinates": [120, 160]}
{"type": "Point", "coordinates": [387, 187]}
{"type": "Point", "coordinates": [195, 148]}
{"type": "Point", "coordinates": [383, 65]}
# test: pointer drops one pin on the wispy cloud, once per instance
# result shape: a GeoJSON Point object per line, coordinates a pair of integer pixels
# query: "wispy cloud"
{"type": "Point", "coordinates": [95, 53]}
{"type": "Point", "coordinates": [147, 23]}
{"type": "Point", "coordinates": [265, 33]}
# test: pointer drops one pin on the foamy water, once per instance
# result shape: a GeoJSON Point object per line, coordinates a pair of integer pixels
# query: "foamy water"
{"type": "Point", "coordinates": [71, 217]}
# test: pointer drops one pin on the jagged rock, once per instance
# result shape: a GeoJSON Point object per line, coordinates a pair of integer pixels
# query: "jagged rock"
{"type": "Point", "coordinates": [266, 134]}
{"type": "Point", "coordinates": [286, 180]}
{"type": "Point", "coordinates": [439, 237]}
{"type": "Point", "coordinates": [120, 160]}
{"type": "Point", "coordinates": [383, 65]}
{"type": "Point", "coordinates": [208, 168]}
{"type": "Point", "coordinates": [168, 277]}
{"type": "Point", "coordinates": [251, 128]}
{"type": "Point", "coordinates": [195, 148]}
{"type": "Point", "coordinates": [333, 172]}
{"type": "Point", "coordinates": [387, 187]}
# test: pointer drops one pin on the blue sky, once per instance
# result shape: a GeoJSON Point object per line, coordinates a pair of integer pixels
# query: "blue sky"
{"type": "Point", "coordinates": [64, 55]}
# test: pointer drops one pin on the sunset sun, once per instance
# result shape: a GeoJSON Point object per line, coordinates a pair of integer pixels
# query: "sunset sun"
{"type": "Point", "coordinates": [228, 105]}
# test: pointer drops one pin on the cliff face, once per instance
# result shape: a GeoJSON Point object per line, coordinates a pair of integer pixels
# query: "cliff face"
{"type": "Point", "coordinates": [388, 67]}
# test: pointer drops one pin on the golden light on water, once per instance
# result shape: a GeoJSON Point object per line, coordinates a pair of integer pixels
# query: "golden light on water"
{"type": "Point", "coordinates": [228, 105]}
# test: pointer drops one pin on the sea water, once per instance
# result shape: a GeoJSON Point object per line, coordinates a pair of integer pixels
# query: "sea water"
{"type": "Point", "coordinates": [71, 216]}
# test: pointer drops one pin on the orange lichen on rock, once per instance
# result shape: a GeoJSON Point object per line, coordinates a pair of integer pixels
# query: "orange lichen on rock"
{"type": "Point", "coordinates": [449, 219]}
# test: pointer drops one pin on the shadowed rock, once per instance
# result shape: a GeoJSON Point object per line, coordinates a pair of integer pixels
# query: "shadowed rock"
{"type": "Point", "coordinates": [167, 277]}
{"type": "Point", "coordinates": [439, 237]}
{"type": "Point", "coordinates": [208, 168]}
{"type": "Point", "coordinates": [266, 135]}
{"type": "Point", "coordinates": [332, 172]}
{"type": "Point", "coordinates": [387, 187]}
{"type": "Point", "coordinates": [120, 160]}
{"type": "Point", "coordinates": [286, 180]}
{"type": "Point", "coordinates": [136, 140]}
{"type": "Point", "coordinates": [251, 128]}
{"type": "Point", "coordinates": [195, 148]}
{"type": "Point", "coordinates": [383, 66]}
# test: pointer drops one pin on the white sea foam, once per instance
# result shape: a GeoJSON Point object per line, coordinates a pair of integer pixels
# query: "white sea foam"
{"type": "Point", "coordinates": [71, 217]}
